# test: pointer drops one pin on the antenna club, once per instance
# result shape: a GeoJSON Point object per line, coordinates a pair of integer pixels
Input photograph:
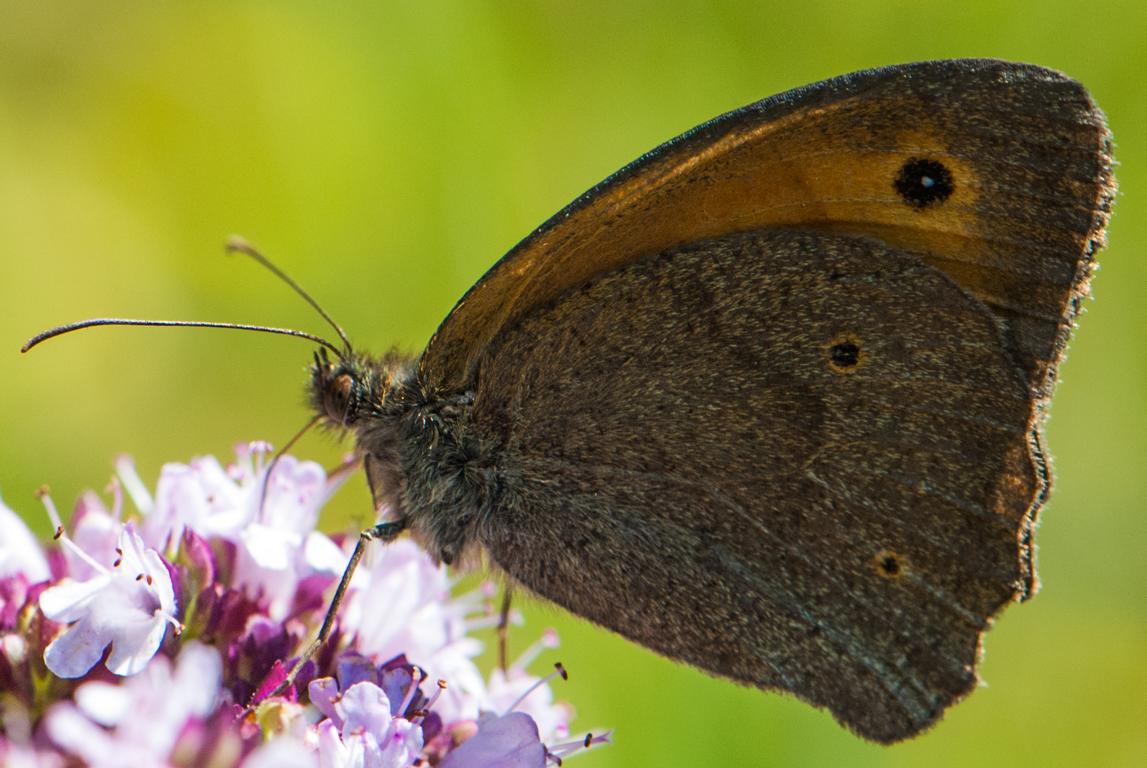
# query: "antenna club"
{"type": "Point", "coordinates": [235, 243]}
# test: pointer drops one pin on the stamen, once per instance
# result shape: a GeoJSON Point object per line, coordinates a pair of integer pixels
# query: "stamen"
{"type": "Point", "coordinates": [136, 490]}
{"type": "Point", "coordinates": [548, 640]}
{"type": "Point", "coordinates": [558, 670]}
{"type": "Point", "coordinates": [567, 748]}
{"type": "Point", "coordinates": [477, 601]}
{"type": "Point", "coordinates": [116, 491]}
{"type": "Point", "coordinates": [61, 534]}
{"type": "Point", "coordinates": [486, 621]}
{"type": "Point", "coordinates": [175, 623]}
{"type": "Point", "coordinates": [415, 678]}
{"type": "Point", "coordinates": [261, 449]}
{"type": "Point", "coordinates": [45, 497]}
{"type": "Point", "coordinates": [422, 713]}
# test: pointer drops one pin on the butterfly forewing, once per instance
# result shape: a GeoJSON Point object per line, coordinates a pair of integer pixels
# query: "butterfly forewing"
{"type": "Point", "coordinates": [999, 173]}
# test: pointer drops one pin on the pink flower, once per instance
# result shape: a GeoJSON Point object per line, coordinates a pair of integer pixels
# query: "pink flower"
{"type": "Point", "coordinates": [139, 722]}
{"type": "Point", "coordinates": [401, 604]}
{"type": "Point", "coordinates": [512, 739]}
{"type": "Point", "coordinates": [274, 536]}
{"type": "Point", "coordinates": [245, 573]}
{"type": "Point", "coordinates": [363, 731]}
{"type": "Point", "coordinates": [127, 606]}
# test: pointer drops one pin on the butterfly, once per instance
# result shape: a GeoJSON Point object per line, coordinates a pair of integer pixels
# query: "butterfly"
{"type": "Point", "coordinates": [768, 400]}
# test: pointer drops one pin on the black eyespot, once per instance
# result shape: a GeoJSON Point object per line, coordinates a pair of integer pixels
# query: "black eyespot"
{"type": "Point", "coordinates": [924, 182]}
{"type": "Point", "coordinates": [888, 564]}
{"type": "Point", "coordinates": [845, 353]}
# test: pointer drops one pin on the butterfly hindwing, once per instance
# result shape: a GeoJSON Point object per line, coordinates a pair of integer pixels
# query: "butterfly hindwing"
{"type": "Point", "coordinates": [803, 464]}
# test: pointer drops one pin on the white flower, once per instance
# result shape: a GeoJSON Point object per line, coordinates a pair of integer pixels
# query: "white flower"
{"type": "Point", "coordinates": [246, 560]}
{"type": "Point", "coordinates": [276, 543]}
{"type": "Point", "coordinates": [127, 606]}
{"type": "Point", "coordinates": [137, 723]}
{"type": "Point", "coordinates": [199, 495]}
{"type": "Point", "coordinates": [280, 546]}
{"type": "Point", "coordinates": [401, 604]}
{"type": "Point", "coordinates": [361, 731]}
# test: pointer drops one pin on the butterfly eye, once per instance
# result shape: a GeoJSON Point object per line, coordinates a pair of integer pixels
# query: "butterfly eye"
{"type": "Point", "coordinates": [341, 387]}
{"type": "Point", "coordinates": [923, 182]}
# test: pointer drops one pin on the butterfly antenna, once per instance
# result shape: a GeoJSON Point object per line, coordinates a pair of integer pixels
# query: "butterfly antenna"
{"type": "Point", "coordinates": [236, 244]}
{"type": "Point", "coordinates": [279, 454]}
{"type": "Point", "coordinates": [62, 329]}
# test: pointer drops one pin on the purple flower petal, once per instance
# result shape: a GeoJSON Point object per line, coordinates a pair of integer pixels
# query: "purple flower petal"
{"type": "Point", "coordinates": [355, 668]}
{"type": "Point", "coordinates": [509, 741]}
{"type": "Point", "coordinates": [324, 695]}
{"type": "Point", "coordinates": [366, 709]}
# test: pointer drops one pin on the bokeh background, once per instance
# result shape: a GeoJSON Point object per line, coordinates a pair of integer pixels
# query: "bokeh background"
{"type": "Point", "coordinates": [386, 153]}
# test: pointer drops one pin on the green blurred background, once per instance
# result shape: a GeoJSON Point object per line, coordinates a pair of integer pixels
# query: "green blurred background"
{"type": "Point", "coordinates": [386, 153]}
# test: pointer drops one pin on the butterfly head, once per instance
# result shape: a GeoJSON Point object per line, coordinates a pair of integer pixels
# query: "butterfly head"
{"type": "Point", "coordinates": [345, 390]}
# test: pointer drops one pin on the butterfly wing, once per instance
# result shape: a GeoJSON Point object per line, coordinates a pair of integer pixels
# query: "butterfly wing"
{"type": "Point", "coordinates": [999, 173]}
{"type": "Point", "coordinates": [767, 399]}
{"type": "Point", "coordinates": [802, 463]}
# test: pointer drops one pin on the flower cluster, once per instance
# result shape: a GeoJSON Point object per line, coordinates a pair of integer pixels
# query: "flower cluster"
{"type": "Point", "coordinates": [143, 640]}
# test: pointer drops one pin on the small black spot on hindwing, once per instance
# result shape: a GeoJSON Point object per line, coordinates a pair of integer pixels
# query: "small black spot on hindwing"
{"type": "Point", "coordinates": [888, 564]}
{"type": "Point", "coordinates": [923, 182]}
{"type": "Point", "coordinates": [845, 353]}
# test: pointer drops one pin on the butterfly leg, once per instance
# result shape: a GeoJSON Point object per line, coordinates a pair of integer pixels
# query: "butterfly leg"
{"type": "Point", "coordinates": [385, 532]}
{"type": "Point", "coordinates": [503, 627]}
{"type": "Point", "coordinates": [368, 470]}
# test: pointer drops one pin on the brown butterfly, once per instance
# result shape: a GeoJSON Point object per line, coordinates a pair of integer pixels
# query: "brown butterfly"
{"type": "Point", "coordinates": [768, 400]}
